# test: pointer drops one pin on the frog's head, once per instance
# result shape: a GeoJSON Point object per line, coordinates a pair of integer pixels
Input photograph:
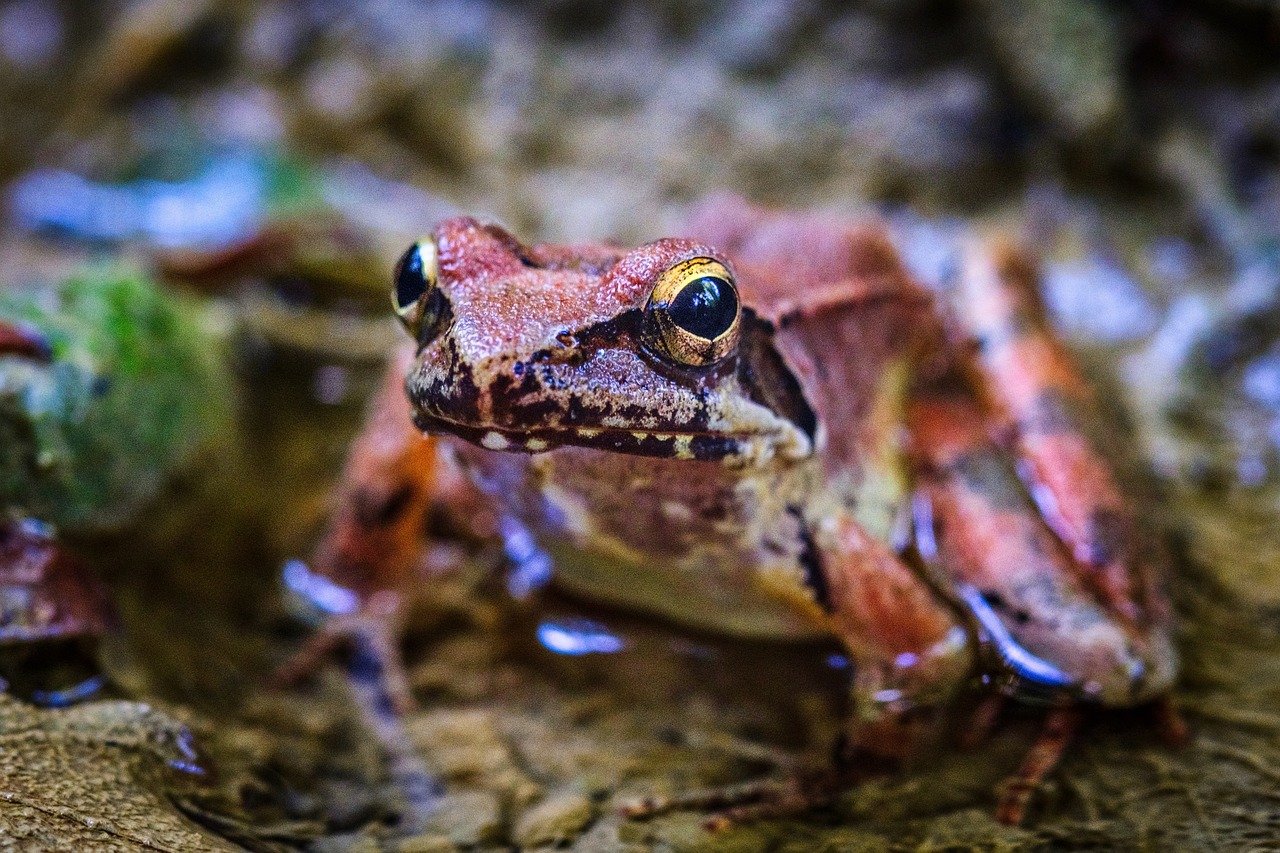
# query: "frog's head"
{"type": "Point", "coordinates": [649, 352]}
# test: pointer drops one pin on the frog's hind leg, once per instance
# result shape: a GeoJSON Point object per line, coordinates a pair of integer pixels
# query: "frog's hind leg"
{"type": "Point", "coordinates": [1047, 636]}
{"type": "Point", "coordinates": [1048, 416]}
{"type": "Point", "coordinates": [1041, 410]}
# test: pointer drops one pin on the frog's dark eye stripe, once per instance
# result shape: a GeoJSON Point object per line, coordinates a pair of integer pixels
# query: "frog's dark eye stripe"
{"type": "Point", "coordinates": [693, 313]}
{"type": "Point", "coordinates": [419, 304]}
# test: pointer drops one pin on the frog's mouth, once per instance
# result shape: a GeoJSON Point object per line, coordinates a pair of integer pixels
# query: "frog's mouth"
{"type": "Point", "coordinates": [704, 447]}
{"type": "Point", "coordinates": [608, 393]}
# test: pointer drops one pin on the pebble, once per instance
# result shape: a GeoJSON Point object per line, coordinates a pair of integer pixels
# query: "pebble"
{"type": "Point", "coordinates": [467, 817]}
{"type": "Point", "coordinates": [559, 818]}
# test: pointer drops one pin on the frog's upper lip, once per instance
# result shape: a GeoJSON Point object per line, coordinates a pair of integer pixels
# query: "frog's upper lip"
{"type": "Point", "coordinates": [671, 444]}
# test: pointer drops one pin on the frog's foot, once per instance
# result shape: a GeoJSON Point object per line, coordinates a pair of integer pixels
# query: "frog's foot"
{"type": "Point", "coordinates": [1045, 754]}
{"type": "Point", "coordinates": [1055, 736]}
{"type": "Point", "coordinates": [797, 794]}
{"type": "Point", "coordinates": [376, 540]}
{"type": "Point", "coordinates": [374, 632]}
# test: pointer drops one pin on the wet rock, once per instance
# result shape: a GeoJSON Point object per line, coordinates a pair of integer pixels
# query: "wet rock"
{"type": "Point", "coordinates": [847, 840]}
{"type": "Point", "coordinates": [461, 744]}
{"type": "Point", "coordinates": [426, 844]}
{"type": "Point", "coordinates": [350, 804]}
{"type": "Point", "coordinates": [685, 832]}
{"type": "Point", "coordinates": [99, 776]}
{"type": "Point", "coordinates": [557, 819]}
{"type": "Point", "coordinates": [605, 837]}
{"type": "Point", "coordinates": [352, 843]}
{"type": "Point", "coordinates": [976, 827]}
{"type": "Point", "coordinates": [754, 37]}
{"type": "Point", "coordinates": [467, 817]}
{"type": "Point", "coordinates": [1063, 54]}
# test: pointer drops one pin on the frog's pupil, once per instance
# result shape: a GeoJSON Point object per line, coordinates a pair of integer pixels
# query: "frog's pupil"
{"type": "Point", "coordinates": [411, 280]}
{"type": "Point", "coordinates": [705, 307]}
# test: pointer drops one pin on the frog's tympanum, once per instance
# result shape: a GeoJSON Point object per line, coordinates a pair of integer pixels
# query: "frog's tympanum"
{"type": "Point", "coordinates": [767, 428]}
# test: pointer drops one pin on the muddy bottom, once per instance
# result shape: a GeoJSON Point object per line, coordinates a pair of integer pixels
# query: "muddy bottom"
{"type": "Point", "coordinates": [538, 719]}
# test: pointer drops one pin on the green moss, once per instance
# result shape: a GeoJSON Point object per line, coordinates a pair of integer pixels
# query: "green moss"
{"type": "Point", "coordinates": [136, 383]}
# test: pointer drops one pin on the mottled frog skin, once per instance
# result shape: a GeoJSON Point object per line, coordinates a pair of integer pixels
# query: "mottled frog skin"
{"type": "Point", "coordinates": [694, 493]}
{"type": "Point", "coordinates": [765, 427]}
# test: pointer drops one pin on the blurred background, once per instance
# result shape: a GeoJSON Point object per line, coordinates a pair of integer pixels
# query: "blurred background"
{"type": "Point", "coordinates": [201, 205]}
{"type": "Point", "coordinates": [579, 117]}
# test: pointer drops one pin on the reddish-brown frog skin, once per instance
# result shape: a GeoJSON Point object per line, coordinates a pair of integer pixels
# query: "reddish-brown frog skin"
{"type": "Point", "coordinates": [749, 469]}
{"type": "Point", "coordinates": [45, 592]}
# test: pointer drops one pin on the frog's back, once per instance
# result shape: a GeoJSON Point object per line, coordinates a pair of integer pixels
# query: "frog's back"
{"type": "Point", "coordinates": [851, 322]}
{"type": "Point", "coordinates": [791, 260]}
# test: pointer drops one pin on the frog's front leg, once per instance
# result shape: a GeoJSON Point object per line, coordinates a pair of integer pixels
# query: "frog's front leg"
{"type": "Point", "coordinates": [910, 652]}
{"type": "Point", "coordinates": [910, 656]}
{"type": "Point", "coordinates": [370, 552]}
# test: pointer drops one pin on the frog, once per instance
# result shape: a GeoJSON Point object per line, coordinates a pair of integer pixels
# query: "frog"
{"type": "Point", "coordinates": [53, 613]}
{"type": "Point", "coordinates": [766, 427]}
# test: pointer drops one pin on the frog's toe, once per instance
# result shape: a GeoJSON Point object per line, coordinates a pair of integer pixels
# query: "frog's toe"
{"type": "Point", "coordinates": [1016, 791]}
{"type": "Point", "coordinates": [372, 634]}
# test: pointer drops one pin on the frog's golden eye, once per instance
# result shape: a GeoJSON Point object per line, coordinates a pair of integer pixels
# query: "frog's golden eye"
{"type": "Point", "coordinates": [693, 313]}
{"type": "Point", "coordinates": [419, 304]}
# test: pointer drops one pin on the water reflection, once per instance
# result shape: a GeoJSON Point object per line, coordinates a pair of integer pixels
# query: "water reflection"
{"type": "Point", "coordinates": [317, 590]}
{"type": "Point", "coordinates": [223, 204]}
{"type": "Point", "coordinates": [576, 636]}
{"type": "Point", "coordinates": [531, 567]}
{"type": "Point", "coordinates": [86, 689]}
{"type": "Point", "coordinates": [184, 741]}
